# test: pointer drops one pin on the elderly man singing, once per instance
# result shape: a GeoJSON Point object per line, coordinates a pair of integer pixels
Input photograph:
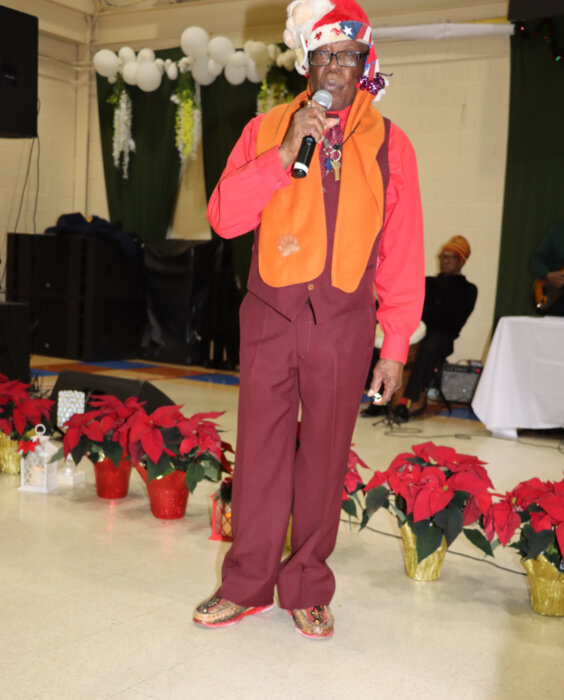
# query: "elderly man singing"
{"type": "Point", "coordinates": [324, 244]}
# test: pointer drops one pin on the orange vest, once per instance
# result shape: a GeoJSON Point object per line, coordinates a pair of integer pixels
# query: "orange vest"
{"type": "Point", "coordinates": [298, 210]}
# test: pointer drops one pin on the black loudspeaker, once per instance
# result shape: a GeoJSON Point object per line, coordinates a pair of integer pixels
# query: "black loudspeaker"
{"type": "Point", "coordinates": [539, 9]}
{"type": "Point", "coordinates": [87, 301]}
{"type": "Point", "coordinates": [14, 341]}
{"type": "Point", "coordinates": [97, 384]}
{"type": "Point", "coordinates": [18, 74]}
{"type": "Point", "coordinates": [459, 382]}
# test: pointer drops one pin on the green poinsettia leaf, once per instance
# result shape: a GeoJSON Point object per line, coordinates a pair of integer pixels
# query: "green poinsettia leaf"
{"type": "Point", "coordinates": [364, 519]}
{"type": "Point", "coordinates": [113, 451]}
{"type": "Point", "coordinates": [537, 542]}
{"type": "Point", "coordinates": [459, 499]}
{"type": "Point", "coordinates": [161, 468]}
{"type": "Point", "coordinates": [59, 454]}
{"type": "Point", "coordinates": [79, 451]}
{"type": "Point", "coordinates": [194, 474]}
{"type": "Point", "coordinates": [375, 499]}
{"type": "Point", "coordinates": [400, 515]}
{"type": "Point", "coordinates": [349, 507]}
{"type": "Point", "coordinates": [451, 520]}
{"type": "Point", "coordinates": [420, 527]}
{"type": "Point", "coordinates": [479, 540]}
{"type": "Point", "coordinates": [428, 542]}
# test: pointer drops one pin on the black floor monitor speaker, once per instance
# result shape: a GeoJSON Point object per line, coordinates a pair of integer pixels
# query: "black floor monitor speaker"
{"type": "Point", "coordinates": [459, 382]}
{"type": "Point", "coordinates": [97, 384]}
{"type": "Point", "coordinates": [18, 74]}
{"type": "Point", "coordinates": [14, 341]}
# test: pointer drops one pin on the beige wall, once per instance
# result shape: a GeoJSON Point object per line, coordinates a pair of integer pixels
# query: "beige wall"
{"type": "Point", "coordinates": [451, 98]}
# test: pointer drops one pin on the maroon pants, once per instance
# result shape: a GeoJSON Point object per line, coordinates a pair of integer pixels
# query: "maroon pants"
{"type": "Point", "coordinates": [285, 363]}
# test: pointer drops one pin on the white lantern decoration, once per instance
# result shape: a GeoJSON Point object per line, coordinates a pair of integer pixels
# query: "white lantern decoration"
{"type": "Point", "coordinates": [106, 62]}
{"type": "Point", "coordinates": [126, 54]}
{"type": "Point", "coordinates": [146, 56]}
{"type": "Point", "coordinates": [149, 77]}
{"type": "Point", "coordinates": [220, 48]}
{"type": "Point", "coordinates": [37, 473]}
{"type": "Point", "coordinates": [194, 42]}
{"type": "Point", "coordinates": [235, 74]}
{"type": "Point", "coordinates": [201, 72]}
{"type": "Point", "coordinates": [129, 72]}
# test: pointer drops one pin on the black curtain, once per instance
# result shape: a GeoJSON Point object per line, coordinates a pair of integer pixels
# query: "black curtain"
{"type": "Point", "coordinates": [143, 203]}
{"type": "Point", "coordinates": [534, 188]}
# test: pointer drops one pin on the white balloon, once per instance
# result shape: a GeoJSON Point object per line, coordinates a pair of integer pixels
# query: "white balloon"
{"type": "Point", "coordinates": [253, 73]}
{"type": "Point", "coordinates": [220, 48]}
{"type": "Point", "coordinates": [129, 72]}
{"type": "Point", "coordinates": [235, 74]}
{"type": "Point", "coordinates": [273, 51]}
{"type": "Point", "coordinates": [106, 62]}
{"type": "Point", "coordinates": [126, 54]}
{"type": "Point", "coordinates": [214, 67]}
{"type": "Point", "coordinates": [194, 41]}
{"type": "Point", "coordinates": [200, 71]}
{"type": "Point", "coordinates": [149, 76]}
{"type": "Point", "coordinates": [160, 65]}
{"type": "Point", "coordinates": [145, 55]}
{"type": "Point", "coordinates": [256, 51]}
{"type": "Point", "coordinates": [172, 71]}
{"type": "Point", "coordinates": [112, 79]}
{"type": "Point", "coordinates": [239, 59]}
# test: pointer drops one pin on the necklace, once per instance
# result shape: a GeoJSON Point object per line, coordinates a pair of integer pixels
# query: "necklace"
{"type": "Point", "coordinates": [334, 155]}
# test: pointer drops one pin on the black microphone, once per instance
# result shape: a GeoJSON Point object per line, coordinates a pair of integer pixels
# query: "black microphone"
{"type": "Point", "coordinates": [301, 166]}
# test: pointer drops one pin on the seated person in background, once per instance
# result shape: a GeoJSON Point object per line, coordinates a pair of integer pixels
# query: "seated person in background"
{"type": "Point", "coordinates": [547, 265]}
{"type": "Point", "coordinates": [449, 301]}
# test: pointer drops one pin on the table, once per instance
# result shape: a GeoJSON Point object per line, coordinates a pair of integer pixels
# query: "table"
{"type": "Point", "coordinates": [522, 385]}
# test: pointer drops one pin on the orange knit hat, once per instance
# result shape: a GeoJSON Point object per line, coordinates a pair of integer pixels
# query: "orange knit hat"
{"type": "Point", "coordinates": [459, 246]}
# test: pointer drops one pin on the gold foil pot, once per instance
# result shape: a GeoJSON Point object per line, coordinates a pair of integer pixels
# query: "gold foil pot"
{"type": "Point", "coordinates": [546, 585]}
{"type": "Point", "coordinates": [10, 460]}
{"type": "Point", "coordinates": [429, 569]}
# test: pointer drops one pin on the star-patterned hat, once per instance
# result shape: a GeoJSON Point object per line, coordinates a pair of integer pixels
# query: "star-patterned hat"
{"type": "Point", "coordinates": [313, 23]}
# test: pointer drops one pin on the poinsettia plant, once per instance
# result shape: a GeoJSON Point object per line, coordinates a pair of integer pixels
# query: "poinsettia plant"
{"type": "Point", "coordinates": [532, 515]}
{"type": "Point", "coordinates": [437, 493]}
{"type": "Point", "coordinates": [161, 442]}
{"type": "Point", "coordinates": [94, 433]}
{"type": "Point", "coordinates": [354, 486]}
{"type": "Point", "coordinates": [166, 441]}
{"type": "Point", "coordinates": [19, 412]}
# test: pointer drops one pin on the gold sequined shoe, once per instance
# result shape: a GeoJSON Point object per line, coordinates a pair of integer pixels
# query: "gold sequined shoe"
{"type": "Point", "coordinates": [220, 612]}
{"type": "Point", "coordinates": [314, 623]}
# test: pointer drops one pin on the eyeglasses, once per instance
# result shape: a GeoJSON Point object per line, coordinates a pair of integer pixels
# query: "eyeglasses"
{"type": "Point", "coordinates": [346, 59]}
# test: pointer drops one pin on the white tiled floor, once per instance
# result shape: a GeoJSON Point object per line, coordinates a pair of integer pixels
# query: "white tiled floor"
{"type": "Point", "coordinates": [96, 597]}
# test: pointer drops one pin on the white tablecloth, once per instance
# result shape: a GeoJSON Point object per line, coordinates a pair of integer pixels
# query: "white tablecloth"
{"type": "Point", "coordinates": [522, 385]}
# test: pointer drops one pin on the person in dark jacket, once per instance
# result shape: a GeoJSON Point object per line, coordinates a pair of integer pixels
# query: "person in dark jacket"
{"type": "Point", "coordinates": [449, 301]}
{"type": "Point", "coordinates": [547, 265]}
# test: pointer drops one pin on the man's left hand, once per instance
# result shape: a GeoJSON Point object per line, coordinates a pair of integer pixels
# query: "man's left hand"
{"type": "Point", "coordinates": [388, 373]}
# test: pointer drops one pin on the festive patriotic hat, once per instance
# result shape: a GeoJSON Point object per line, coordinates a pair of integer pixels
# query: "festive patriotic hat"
{"type": "Point", "coordinates": [459, 246]}
{"type": "Point", "coordinates": [313, 23]}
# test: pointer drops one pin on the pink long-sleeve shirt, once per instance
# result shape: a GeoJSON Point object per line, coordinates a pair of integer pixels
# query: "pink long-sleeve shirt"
{"type": "Point", "coordinates": [248, 182]}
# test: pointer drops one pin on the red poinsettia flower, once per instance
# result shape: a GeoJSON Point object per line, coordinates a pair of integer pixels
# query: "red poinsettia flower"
{"type": "Point", "coordinates": [553, 504]}
{"type": "Point", "coordinates": [432, 494]}
{"type": "Point", "coordinates": [378, 478]}
{"type": "Point", "coordinates": [540, 521]}
{"type": "Point", "coordinates": [27, 446]}
{"type": "Point", "coordinates": [502, 519]}
{"type": "Point", "coordinates": [475, 507]}
{"type": "Point", "coordinates": [470, 482]}
{"type": "Point", "coordinates": [530, 491]}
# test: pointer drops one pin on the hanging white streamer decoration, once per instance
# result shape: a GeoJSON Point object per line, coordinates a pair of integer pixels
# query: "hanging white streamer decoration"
{"type": "Point", "coordinates": [123, 143]}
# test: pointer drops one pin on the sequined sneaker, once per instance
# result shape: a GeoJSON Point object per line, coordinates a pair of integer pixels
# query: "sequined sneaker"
{"type": "Point", "coordinates": [315, 623]}
{"type": "Point", "coordinates": [220, 612]}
